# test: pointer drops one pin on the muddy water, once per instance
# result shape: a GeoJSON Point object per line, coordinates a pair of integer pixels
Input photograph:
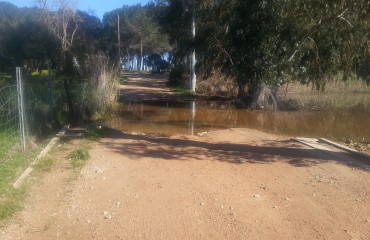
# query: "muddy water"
{"type": "Point", "coordinates": [196, 117]}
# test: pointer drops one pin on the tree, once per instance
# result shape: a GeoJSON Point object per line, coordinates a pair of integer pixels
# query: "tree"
{"type": "Point", "coordinates": [63, 22]}
{"type": "Point", "coordinates": [177, 18]}
{"type": "Point", "coordinates": [31, 45]}
{"type": "Point", "coordinates": [87, 43]}
{"type": "Point", "coordinates": [139, 33]}
{"type": "Point", "coordinates": [263, 43]}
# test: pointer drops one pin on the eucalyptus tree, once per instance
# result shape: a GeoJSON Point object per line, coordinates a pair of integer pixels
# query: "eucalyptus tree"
{"type": "Point", "coordinates": [270, 42]}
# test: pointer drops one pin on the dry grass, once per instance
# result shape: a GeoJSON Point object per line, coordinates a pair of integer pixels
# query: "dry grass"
{"type": "Point", "coordinates": [101, 92]}
{"type": "Point", "coordinates": [218, 85]}
{"type": "Point", "coordinates": [337, 95]}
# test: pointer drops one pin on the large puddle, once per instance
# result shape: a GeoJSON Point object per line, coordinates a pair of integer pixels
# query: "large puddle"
{"type": "Point", "coordinates": [201, 116]}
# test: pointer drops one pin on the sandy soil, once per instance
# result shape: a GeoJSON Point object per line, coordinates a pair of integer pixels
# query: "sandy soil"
{"type": "Point", "coordinates": [228, 184]}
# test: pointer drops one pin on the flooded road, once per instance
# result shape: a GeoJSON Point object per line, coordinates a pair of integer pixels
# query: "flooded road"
{"type": "Point", "coordinates": [190, 117]}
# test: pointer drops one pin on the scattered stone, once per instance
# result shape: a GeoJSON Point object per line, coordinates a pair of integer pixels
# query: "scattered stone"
{"type": "Point", "coordinates": [107, 215]}
{"type": "Point", "coordinates": [202, 134]}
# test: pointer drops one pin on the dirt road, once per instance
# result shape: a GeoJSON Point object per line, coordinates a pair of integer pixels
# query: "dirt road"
{"type": "Point", "coordinates": [228, 184]}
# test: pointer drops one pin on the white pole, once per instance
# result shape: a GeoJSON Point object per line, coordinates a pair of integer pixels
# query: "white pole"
{"type": "Point", "coordinates": [193, 76]}
{"type": "Point", "coordinates": [22, 131]}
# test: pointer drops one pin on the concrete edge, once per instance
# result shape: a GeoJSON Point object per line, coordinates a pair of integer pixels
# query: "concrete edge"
{"type": "Point", "coordinates": [318, 144]}
{"type": "Point", "coordinates": [42, 154]}
{"type": "Point", "coordinates": [337, 145]}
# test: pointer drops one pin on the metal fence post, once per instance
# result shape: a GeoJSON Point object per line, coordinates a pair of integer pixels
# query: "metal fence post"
{"type": "Point", "coordinates": [22, 130]}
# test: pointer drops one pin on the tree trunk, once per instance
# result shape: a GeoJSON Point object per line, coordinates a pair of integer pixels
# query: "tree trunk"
{"type": "Point", "coordinates": [69, 100]}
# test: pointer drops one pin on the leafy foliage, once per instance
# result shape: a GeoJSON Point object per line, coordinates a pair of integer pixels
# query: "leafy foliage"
{"type": "Point", "coordinates": [272, 42]}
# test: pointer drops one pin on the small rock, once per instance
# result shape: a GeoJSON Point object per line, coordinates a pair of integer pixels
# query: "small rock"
{"type": "Point", "coordinates": [287, 199]}
{"type": "Point", "coordinates": [202, 203]}
{"type": "Point", "coordinates": [274, 207]}
{"type": "Point", "coordinates": [313, 195]}
{"type": "Point", "coordinates": [367, 220]}
{"type": "Point", "coordinates": [107, 215]}
{"type": "Point", "coordinates": [104, 178]}
{"type": "Point", "coordinates": [231, 208]}
{"type": "Point", "coordinates": [256, 196]}
{"type": "Point", "coordinates": [88, 221]}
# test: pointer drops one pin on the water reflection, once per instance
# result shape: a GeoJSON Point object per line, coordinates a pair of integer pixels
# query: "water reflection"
{"type": "Point", "coordinates": [194, 117]}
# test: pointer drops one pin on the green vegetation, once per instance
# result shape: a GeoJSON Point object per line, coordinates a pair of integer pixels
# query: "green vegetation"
{"type": "Point", "coordinates": [78, 157]}
{"type": "Point", "coordinates": [183, 91]}
{"type": "Point", "coordinates": [263, 44]}
{"type": "Point", "coordinates": [4, 78]}
{"type": "Point", "coordinates": [94, 132]}
{"type": "Point", "coordinates": [253, 46]}
{"type": "Point", "coordinates": [44, 164]}
{"type": "Point", "coordinates": [11, 199]}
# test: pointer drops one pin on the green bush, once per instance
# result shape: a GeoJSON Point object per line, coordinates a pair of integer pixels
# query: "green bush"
{"type": "Point", "coordinates": [178, 77]}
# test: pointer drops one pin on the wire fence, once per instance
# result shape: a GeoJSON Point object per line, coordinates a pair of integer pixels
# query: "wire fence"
{"type": "Point", "coordinates": [9, 121]}
{"type": "Point", "coordinates": [13, 130]}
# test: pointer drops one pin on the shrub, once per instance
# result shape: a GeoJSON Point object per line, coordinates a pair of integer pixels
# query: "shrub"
{"type": "Point", "coordinates": [178, 77]}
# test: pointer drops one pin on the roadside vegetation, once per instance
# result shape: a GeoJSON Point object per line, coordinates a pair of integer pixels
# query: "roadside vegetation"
{"type": "Point", "coordinates": [79, 157]}
{"type": "Point", "coordinates": [11, 199]}
{"type": "Point", "coordinates": [287, 55]}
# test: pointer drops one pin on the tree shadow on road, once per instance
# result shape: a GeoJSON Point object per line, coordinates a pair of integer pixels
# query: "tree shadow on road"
{"type": "Point", "coordinates": [186, 149]}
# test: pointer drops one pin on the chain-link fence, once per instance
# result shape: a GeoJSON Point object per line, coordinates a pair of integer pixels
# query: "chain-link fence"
{"type": "Point", "coordinates": [9, 120]}
{"type": "Point", "coordinates": [30, 106]}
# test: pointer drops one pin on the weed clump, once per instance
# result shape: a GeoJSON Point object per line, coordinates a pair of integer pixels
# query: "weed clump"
{"type": "Point", "coordinates": [78, 157]}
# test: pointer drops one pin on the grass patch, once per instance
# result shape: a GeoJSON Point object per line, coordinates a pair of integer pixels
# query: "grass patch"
{"type": "Point", "coordinates": [338, 95]}
{"type": "Point", "coordinates": [11, 202]}
{"type": "Point", "coordinates": [79, 157]}
{"type": "Point", "coordinates": [93, 133]}
{"type": "Point", "coordinates": [5, 78]}
{"type": "Point", "coordinates": [182, 91]}
{"type": "Point", "coordinates": [11, 199]}
{"type": "Point", "coordinates": [45, 164]}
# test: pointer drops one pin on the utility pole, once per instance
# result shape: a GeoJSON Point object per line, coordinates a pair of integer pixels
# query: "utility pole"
{"type": "Point", "coordinates": [193, 77]}
{"type": "Point", "coordinates": [119, 42]}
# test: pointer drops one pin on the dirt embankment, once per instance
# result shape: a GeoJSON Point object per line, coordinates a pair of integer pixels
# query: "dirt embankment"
{"type": "Point", "coordinates": [228, 184]}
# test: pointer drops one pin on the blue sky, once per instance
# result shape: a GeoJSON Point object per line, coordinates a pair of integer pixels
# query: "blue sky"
{"type": "Point", "coordinates": [98, 7]}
